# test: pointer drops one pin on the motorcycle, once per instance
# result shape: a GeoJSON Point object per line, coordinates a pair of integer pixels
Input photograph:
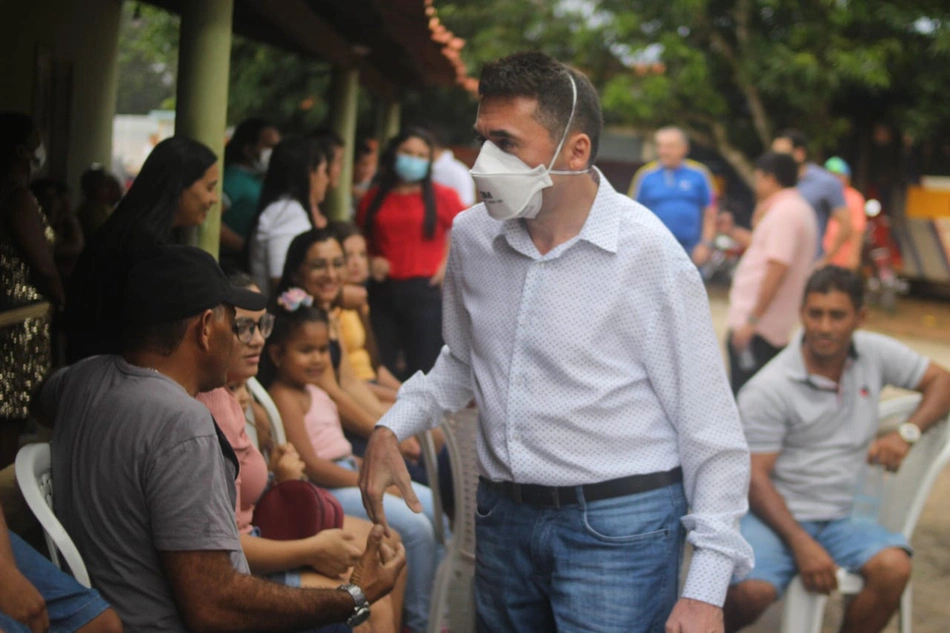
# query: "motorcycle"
{"type": "Point", "coordinates": [881, 259]}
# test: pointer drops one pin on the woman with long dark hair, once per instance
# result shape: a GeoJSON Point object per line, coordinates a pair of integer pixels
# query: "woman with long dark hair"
{"type": "Point", "coordinates": [246, 158]}
{"type": "Point", "coordinates": [295, 185]}
{"type": "Point", "coordinates": [406, 219]}
{"type": "Point", "coordinates": [28, 274]}
{"type": "Point", "coordinates": [174, 189]}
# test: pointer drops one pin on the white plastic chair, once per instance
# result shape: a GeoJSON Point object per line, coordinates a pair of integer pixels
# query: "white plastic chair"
{"type": "Point", "coordinates": [905, 493]}
{"type": "Point", "coordinates": [430, 460]}
{"type": "Point", "coordinates": [454, 580]}
{"type": "Point", "coordinates": [36, 483]}
{"type": "Point", "coordinates": [263, 398]}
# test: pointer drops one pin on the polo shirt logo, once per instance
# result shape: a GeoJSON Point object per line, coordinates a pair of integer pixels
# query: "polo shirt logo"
{"type": "Point", "coordinates": [865, 392]}
{"type": "Point", "coordinates": [486, 194]}
{"type": "Point", "coordinates": [686, 185]}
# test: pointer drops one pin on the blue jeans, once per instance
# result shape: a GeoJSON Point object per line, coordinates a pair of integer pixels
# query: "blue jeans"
{"type": "Point", "coordinates": [69, 605]}
{"type": "Point", "coordinates": [610, 566]}
{"type": "Point", "coordinates": [423, 553]}
{"type": "Point", "coordinates": [850, 543]}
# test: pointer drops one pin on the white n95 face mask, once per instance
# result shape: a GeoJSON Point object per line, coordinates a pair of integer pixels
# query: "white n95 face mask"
{"type": "Point", "coordinates": [508, 187]}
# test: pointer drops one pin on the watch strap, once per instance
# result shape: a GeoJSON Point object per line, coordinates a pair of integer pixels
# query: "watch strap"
{"type": "Point", "coordinates": [361, 608]}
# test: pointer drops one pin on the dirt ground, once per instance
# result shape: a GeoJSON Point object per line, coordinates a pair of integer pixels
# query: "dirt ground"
{"type": "Point", "coordinates": [924, 325]}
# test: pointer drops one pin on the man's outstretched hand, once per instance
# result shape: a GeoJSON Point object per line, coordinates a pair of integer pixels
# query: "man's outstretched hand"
{"type": "Point", "coordinates": [379, 566]}
{"type": "Point", "coordinates": [383, 466]}
{"type": "Point", "coordinates": [695, 616]}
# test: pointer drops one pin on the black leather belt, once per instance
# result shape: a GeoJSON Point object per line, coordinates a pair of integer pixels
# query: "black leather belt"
{"type": "Point", "coordinates": [557, 496]}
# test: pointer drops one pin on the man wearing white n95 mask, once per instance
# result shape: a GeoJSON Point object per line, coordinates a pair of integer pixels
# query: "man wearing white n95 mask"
{"type": "Point", "coordinates": [582, 330]}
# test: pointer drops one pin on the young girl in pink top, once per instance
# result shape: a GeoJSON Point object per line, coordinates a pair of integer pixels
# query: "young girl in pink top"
{"type": "Point", "coordinates": [296, 356]}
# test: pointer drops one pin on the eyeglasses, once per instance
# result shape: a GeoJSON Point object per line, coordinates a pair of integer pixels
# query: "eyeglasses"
{"type": "Point", "coordinates": [244, 327]}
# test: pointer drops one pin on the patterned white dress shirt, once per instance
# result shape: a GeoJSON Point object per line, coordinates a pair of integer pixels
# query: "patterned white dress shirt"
{"type": "Point", "coordinates": [592, 362]}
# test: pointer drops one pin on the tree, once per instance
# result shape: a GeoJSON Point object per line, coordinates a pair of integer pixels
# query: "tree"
{"type": "Point", "coordinates": [732, 71]}
{"type": "Point", "coordinates": [264, 81]}
{"type": "Point", "coordinates": [147, 59]}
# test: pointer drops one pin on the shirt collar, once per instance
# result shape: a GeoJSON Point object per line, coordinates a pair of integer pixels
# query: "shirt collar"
{"type": "Point", "coordinates": [796, 369]}
{"type": "Point", "coordinates": [602, 227]}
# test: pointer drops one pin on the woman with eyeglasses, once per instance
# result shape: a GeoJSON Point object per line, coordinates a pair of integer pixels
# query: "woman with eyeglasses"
{"type": "Point", "coordinates": [321, 560]}
{"type": "Point", "coordinates": [406, 219]}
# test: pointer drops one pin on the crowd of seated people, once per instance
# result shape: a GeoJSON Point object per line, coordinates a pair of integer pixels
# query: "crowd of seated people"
{"type": "Point", "coordinates": [168, 474]}
{"type": "Point", "coordinates": [123, 269]}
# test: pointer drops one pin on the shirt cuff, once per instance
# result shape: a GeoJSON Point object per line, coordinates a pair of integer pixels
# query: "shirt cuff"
{"type": "Point", "coordinates": [709, 576]}
{"type": "Point", "coordinates": [405, 419]}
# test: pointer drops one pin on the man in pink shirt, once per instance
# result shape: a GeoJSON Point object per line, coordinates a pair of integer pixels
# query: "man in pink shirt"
{"type": "Point", "coordinates": [849, 255]}
{"type": "Point", "coordinates": [769, 281]}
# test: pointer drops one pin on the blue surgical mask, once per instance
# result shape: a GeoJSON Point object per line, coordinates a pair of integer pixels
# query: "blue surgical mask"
{"type": "Point", "coordinates": [411, 168]}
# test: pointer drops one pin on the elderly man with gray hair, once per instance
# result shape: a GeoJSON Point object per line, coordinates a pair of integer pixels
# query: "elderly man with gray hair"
{"type": "Point", "coordinates": [680, 192]}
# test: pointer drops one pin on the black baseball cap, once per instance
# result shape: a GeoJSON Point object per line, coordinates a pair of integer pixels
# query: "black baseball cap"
{"type": "Point", "coordinates": [173, 282]}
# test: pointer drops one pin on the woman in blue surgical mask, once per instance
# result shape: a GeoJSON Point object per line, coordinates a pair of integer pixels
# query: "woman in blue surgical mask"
{"type": "Point", "coordinates": [406, 220]}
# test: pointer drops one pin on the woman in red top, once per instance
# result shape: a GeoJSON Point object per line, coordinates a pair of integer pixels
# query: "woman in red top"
{"type": "Point", "coordinates": [406, 219]}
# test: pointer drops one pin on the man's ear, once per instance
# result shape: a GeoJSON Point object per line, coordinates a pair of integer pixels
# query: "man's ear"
{"type": "Point", "coordinates": [862, 315]}
{"type": "Point", "coordinates": [578, 149]}
{"type": "Point", "coordinates": [205, 322]}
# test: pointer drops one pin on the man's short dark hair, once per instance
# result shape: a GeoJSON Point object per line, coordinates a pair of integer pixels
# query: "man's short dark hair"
{"type": "Point", "coordinates": [797, 137]}
{"type": "Point", "coordinates": [782, 166]}
{"type": "Point", "coordinates": [534, 75]}
{"type": "Point", "coordinates": [835, 278]}
{"type": "Point", "coordinates": [161, 338]}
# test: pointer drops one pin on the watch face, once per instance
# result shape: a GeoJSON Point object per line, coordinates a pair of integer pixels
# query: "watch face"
{"type": "Point", "coordinates": [909, 432]}
{"type": "Point", "coordinates": [361, 615]}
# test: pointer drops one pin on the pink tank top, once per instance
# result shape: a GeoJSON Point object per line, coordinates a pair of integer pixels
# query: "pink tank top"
{"type": "Point", "coordinates": [324, 428]}
{"type": "Point", "coordinates": [252, 480]}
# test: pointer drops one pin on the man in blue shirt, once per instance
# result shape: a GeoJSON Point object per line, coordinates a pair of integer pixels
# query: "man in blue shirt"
{"type": "Point", "coordinates": [823, 191]}
{"type": "Point", "coordinates": [680, 192]}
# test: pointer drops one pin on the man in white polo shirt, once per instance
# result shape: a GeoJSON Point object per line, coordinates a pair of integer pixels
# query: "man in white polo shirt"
{"type": "Point", "coordinates": [810, 417]}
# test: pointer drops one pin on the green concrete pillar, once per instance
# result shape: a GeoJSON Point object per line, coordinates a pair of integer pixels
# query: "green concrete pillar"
{"type": "Point", "coordinates": [344, 92]}
{"type": "Point", "coordinates": [388, 113]}
{"type": "Point", "coordinates": [204, 60]}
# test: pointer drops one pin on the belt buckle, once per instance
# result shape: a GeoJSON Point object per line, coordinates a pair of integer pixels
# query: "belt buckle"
{"type": "Point", "coordinates": [549, 497]}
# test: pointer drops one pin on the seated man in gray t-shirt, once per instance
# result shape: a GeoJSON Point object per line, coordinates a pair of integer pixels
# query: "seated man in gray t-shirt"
{"type": "Point", "coordinates": [144, 480]}
{"type": "Point", "coordinates": [810, 417]}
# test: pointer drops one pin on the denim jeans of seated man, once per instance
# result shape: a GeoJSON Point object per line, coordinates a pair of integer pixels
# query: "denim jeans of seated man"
{"type": "Point", "coordinates": [610, 566]}
{"type": "Point", "coordinates": [69, 605]}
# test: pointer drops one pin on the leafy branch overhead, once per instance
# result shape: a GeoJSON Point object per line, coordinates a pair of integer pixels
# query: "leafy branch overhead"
{"type": "Point", "coordinates": [733, 71]}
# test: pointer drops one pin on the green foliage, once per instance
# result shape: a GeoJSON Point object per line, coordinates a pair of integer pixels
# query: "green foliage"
{"type": "Point", "coordinates": [147, 59]}
{"type": "Point", "coordinates": [264, 81]}
{"type": "Point", "coordinates": [731, 71]}
{"type": "Point", "coordinates": [283, 87]}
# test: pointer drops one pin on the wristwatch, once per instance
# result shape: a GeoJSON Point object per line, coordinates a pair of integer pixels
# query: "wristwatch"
{"type": "Point", "coordinates": [361, 610]}
{"type": "Point", "coordinates": [910, 433]}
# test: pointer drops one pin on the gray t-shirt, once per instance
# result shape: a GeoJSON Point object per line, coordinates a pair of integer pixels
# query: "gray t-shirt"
{"type": "Point", "coordinates": [824, 193]}
{"type": "Point", "coordinates": [138, 468]}
{"type": "Point", "coordinates": [822, 430]}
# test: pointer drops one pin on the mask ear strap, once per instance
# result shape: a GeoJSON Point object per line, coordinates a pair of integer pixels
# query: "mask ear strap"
{"type": "Point", "coordinates": [570, 120]}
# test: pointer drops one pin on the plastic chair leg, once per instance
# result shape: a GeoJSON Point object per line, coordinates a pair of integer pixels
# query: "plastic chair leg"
{"type": "Point", "coordinates": [906, 609]}
{"type": "Point", "coordinates": [803, 611]}
{"type": "Point", "coordinates": [440, 594]}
